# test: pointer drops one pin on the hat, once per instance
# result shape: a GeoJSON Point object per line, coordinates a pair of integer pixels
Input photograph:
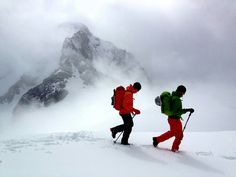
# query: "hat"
{"type": "Point", "coordinates": [137, 86]}
{"type": "Point", "coordinates": [181, 88]}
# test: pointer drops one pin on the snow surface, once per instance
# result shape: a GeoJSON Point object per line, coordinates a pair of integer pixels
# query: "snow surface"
{"type": "Point", "coordinates": [93, 154]}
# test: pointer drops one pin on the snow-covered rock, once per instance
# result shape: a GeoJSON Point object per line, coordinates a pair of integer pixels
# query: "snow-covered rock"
{"type": "Point", "coordinates": [52, 89]}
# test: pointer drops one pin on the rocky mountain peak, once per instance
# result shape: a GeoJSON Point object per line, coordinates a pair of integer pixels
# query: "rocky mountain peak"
{"type": "Point", "coordinates": [86, 57]}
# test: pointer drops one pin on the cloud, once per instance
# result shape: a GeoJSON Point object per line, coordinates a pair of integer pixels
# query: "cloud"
{"type": "Point", "coordinates": [194, 41]}
{"type": "Point", "coordinates": [163, 35]}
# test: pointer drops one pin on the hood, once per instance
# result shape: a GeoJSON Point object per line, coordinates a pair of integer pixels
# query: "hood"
{"type": "Point", "coordinates": [174, 93]}
{"type": "Point", "coordinates": [131, 89]}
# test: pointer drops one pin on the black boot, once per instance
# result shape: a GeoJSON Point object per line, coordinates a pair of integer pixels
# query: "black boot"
{"type": "Point", "coordinates": [155, 142]}
{"type": "Point", "coordinates": [125, 143]}
{"type": "Point", "coordinates": [113, 133]}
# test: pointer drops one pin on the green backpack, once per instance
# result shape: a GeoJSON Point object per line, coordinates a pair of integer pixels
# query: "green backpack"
{"type": "Point", "coordinates": [165, 101]}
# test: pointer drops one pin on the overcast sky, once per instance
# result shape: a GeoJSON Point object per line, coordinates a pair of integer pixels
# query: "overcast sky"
{"type": "Point", "coordinates": [177, 41]}
{"type": "Point", "coordinates": [196, 37]}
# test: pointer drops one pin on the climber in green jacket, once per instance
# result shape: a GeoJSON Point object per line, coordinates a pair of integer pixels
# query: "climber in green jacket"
{"type": "Point", "coordinates": [174, 120]}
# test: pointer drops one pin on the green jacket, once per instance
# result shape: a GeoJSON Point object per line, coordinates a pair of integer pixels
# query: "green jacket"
{"type": "Point", "coordinates": [177, 109]}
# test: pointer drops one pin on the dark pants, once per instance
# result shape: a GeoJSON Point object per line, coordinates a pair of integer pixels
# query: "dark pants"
{"type": "Point", "coordinates": [126, 127]}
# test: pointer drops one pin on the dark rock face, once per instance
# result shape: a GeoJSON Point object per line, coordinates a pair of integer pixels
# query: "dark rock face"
{"type": "Point", "coordinates": [51, 90]}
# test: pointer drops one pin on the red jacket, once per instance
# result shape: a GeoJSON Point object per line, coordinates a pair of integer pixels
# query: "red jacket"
{"type": "Point", "coordinates": [128, 101]}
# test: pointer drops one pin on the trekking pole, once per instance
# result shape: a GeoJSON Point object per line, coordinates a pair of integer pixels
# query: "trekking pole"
{"type": "Point", "coordinates": [118, 136]}
{"type": "Point", "coordinates": [187, 121]}
{"type": "Point", "coordinates": [122, 131]}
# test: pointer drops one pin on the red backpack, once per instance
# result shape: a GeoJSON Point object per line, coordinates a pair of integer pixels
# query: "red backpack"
{"type": "Point", "coordinates": [117, 98]}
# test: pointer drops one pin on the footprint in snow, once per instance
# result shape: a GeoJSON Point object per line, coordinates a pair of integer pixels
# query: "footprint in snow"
{"type": "Point", "coordinates": [229, 157]}
{"type": "Point", "coordinates": [204, 153]}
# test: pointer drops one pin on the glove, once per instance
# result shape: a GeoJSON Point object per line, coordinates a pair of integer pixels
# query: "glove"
{"type": "Point", "coordinates": [191, 110]}
{"type": "Point", "coordinates": [136, 111]}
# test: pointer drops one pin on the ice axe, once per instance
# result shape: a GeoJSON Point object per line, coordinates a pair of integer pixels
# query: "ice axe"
{"type": "Point", "coordinates": [122, 131]}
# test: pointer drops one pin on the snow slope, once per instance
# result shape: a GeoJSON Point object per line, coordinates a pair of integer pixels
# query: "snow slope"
{"type": "Point", "coordinates": [93, 154]}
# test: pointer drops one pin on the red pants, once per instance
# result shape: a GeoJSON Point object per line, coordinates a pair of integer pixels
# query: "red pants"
{"type": "Point", "coordinates": [175, 130]}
